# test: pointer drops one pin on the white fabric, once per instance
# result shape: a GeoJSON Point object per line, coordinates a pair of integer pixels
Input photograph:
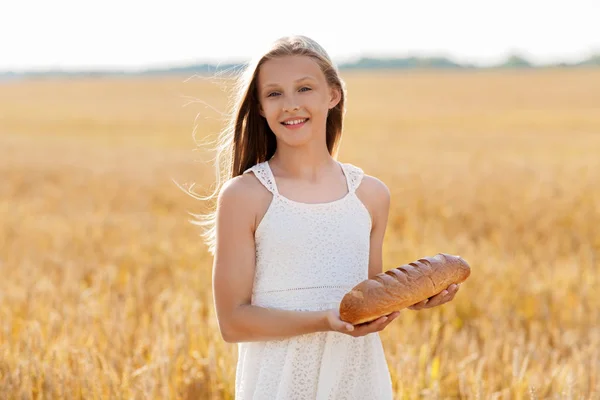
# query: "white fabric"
{"type": "Point", "coordinates": [307, 257]}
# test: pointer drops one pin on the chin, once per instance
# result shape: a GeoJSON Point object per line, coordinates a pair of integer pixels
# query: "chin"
{"type": "Point", "coordinates": [294, 142]}
{"type": "Point", "coordinates": [295, 137]}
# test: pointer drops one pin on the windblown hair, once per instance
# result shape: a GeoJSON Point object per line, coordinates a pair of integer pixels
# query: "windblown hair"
{"type": "Point", "coordinates": [247, 138]}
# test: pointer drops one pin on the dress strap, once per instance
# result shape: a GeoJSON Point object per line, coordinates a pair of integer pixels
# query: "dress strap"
{"type": "Point", "coordinates": [353, 174]}
{"type": "Point", "coordinates": [263, 173]}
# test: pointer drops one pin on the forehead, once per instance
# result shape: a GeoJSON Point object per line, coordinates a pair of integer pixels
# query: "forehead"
{"type": "Point", "coordinates": [288, 69]}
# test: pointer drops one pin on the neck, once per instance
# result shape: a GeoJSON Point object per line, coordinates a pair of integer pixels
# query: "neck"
{"type": "Point", "coordinates": [305, 164]}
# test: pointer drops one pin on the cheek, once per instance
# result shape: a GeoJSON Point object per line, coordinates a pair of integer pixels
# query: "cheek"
{"type": "Point", "coordinates": [271, 114]}
{"type": "Point", "coordinates": [320, 105]}
{"type": "Point", "coordinates": [269, 109]}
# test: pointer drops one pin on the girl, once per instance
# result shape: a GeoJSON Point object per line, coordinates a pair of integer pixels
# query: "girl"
{"type": "Point", "coordinates": [293, 230]}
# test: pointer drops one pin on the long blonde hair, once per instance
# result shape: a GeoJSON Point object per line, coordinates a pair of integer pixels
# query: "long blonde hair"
{"type": "Point", "coordinates": [247, 139]}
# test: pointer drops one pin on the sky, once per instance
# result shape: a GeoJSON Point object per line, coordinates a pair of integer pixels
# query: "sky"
{"type": "Point", "coordinates": [135, 35]}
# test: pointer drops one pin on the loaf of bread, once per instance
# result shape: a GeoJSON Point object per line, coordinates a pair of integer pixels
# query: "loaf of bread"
{"type": "Point", "coordinates": [402, 287]}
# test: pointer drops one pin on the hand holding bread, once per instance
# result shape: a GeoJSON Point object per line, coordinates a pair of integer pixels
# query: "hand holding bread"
{"type": "Point", "coordinates": [336, 324]}
{"type": "Point", "coordinates": [406, 286]}
{"type": "Point", "coordinates": [444, 296]}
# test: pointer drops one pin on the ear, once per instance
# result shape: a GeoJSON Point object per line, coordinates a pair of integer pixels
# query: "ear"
{"type": "Point", "coordinates": [336, 96]}
{"type": "Point", "coordinates": [261, 111]}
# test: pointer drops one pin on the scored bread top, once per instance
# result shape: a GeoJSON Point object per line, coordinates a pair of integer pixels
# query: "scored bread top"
{"type": "Point", "coordinates": [402, 287]}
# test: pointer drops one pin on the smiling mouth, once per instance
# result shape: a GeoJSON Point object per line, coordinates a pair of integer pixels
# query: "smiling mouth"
{"type": "Point", "coordinates": [295, 121]}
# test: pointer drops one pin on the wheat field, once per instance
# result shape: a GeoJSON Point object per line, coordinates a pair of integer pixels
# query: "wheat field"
{"type": "Point", "coordinates": [105, 286]}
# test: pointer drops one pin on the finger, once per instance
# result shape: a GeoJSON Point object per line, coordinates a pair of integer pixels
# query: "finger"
{"type": "Point", "coordinates": [439, 297]}
{"type": "Point", "coordinates": [370, 323]}
{"type": "Point", "coordinates": [420, 305]}
{"type": "Point", "coordinates": [370, 327]}
{"type": "Point", "coordinates": [379, 322]}
{"type": "Point", "coordinates": [451, 296]}
{"type": "Point", "coordinates": [434, 301]}
{"type": "Point", "coordinates": [391, 317]}
{"type": "Point", "coordinates": [394, 315]}
{"type": "Point", "coordinates": [443, 297]}
{"type": "Point", "coordinates": [342, 326]}
{"type": "Point", "coordinates": [389, 321]}
{"type": "Point", "coordinates": [452, 289]}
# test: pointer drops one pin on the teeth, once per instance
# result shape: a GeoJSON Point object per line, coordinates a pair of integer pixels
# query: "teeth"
{"type": "Point", "coordinates": [294, 122]}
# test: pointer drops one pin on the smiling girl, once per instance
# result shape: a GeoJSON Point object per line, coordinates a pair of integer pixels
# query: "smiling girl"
{"type": "Point", "coordinates": [294, 229]}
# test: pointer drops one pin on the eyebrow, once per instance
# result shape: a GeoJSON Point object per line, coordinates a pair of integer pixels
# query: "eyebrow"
{"type": "Point", "coordinates": [307, 77]}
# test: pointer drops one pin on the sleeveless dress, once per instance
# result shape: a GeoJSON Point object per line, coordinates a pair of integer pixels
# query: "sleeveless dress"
{"type": "Point", "coordinates": [307, 257]}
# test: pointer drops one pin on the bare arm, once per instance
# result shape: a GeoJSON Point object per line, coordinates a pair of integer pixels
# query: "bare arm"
{"type": "Point", "coordinates": [233, 278]}
{"type": "Point", "coordinates": [376, 196]}
{"type": "Point", "coordinates": [233, 274]}
{"type": "Point", "coordinates": [378, 201]}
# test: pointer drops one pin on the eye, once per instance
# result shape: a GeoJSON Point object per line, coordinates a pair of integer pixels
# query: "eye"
{"type": "Point", "coordinates": [272, 94]}
{"type": "Point", "coordinates": [305, 87]}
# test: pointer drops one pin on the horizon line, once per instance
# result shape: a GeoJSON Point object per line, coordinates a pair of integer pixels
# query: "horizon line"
{"type": "Point", "coordinates": [340, 61]}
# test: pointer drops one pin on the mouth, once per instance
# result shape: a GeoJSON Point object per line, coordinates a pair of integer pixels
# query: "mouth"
{"type": "Point", "coordinates": [294, 123]}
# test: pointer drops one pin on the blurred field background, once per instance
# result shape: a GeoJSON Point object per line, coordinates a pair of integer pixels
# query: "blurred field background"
{"type": "Point", "coordinates": [105, 286]}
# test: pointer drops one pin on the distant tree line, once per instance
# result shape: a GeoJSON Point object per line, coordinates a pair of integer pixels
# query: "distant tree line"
{"type": "Point", "coordinates": [513, 61]}
{"type": "Point", "coordinates": [365, 63]}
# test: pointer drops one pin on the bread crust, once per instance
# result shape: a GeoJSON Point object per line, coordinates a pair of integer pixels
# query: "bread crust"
{"type": "Point", "coordinates": [402, 287]}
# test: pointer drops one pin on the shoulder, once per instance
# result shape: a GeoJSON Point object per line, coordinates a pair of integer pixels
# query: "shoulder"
{"type": "Point", "coordinates": [376, 197]}
{"type": "Point", "coordinates": [242, 189]}
{"type": "Point", "coordinates": [375, 190]}
{"type": "Point", "coordinates": [243, 197]}
{"type": "Point", "coordinates": [367, 186]}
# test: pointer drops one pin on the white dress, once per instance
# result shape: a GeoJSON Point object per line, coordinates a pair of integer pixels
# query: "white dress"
{"type": "Point", "coordinates": [307, 257]}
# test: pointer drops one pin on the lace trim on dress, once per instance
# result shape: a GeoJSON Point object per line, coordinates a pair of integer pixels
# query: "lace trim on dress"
{"type": "Point", "coordinates": [354, 176]}
{"type": "Point", "coordinates": [303, 288]}
{"type": "Point", "coordinates": [265, 176]}
{"type": "Point", "coordinates": [320, 297]}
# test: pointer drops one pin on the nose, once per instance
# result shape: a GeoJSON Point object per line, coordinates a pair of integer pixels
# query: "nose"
{"type": "Point", "coordinates": [294, 108]}
{"type": "Point", "coordinates": [290, 104]}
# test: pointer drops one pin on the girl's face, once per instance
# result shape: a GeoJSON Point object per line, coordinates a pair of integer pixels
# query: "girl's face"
{"type": "Point", "coordinates": [295, 99]}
